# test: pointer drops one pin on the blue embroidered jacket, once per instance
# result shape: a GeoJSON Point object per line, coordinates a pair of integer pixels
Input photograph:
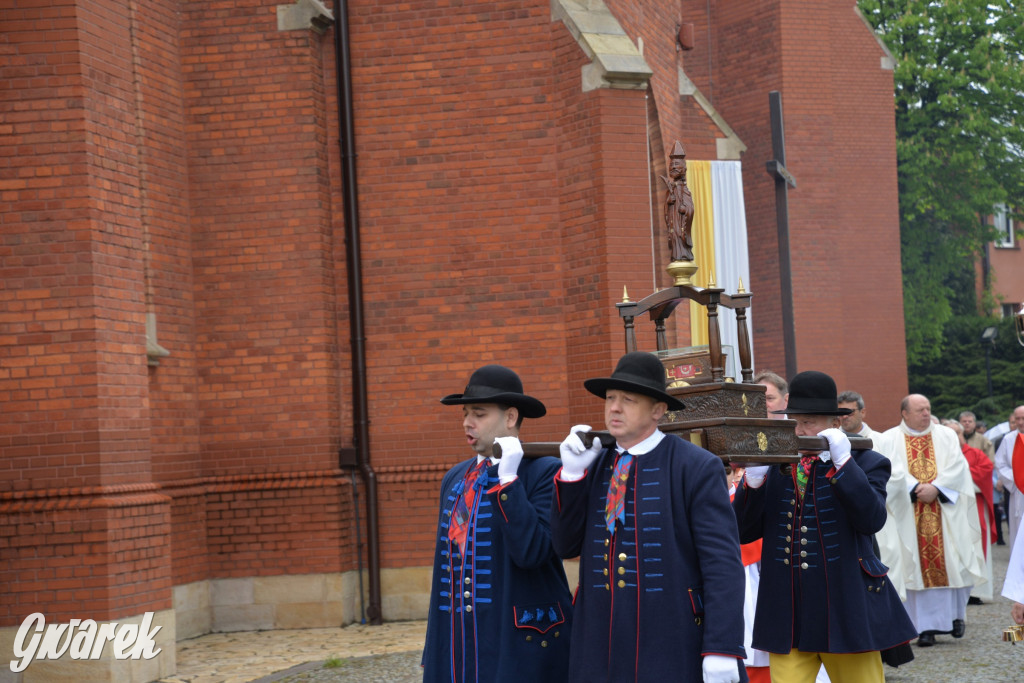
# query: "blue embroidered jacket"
{"type": "Point", "coordinates": [502, 610]}
{"type": "Point", "coordinates": [822, 587]}
{"type": "Point", "coordinates": [667, 587]}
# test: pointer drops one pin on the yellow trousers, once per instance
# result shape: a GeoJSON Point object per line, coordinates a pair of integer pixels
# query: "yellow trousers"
{"type": "Point", "coordinates": [802, 667]}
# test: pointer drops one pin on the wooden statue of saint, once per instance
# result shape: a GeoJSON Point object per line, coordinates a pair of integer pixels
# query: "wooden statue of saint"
{"type": "Point", "coordinates": [678, 207]}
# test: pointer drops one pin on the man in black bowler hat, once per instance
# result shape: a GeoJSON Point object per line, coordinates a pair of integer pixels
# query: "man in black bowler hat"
{"type": "Point", "coordinates": [500, 607]}
{"type": "Point", "coordinates": [824, 596]}
{"type": "Point", "coordinates": [659, 554]}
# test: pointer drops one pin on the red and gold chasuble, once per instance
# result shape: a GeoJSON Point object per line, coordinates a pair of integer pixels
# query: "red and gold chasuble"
{"type": "Point", "coordinates": [927, 516]}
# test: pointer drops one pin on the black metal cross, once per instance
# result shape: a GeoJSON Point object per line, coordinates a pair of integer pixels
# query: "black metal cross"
{"type": "Point", "coordinates": [783, 181]}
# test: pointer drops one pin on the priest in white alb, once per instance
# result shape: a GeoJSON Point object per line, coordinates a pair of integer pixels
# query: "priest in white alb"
{"type": "Point", "coordinates": [931, 499]}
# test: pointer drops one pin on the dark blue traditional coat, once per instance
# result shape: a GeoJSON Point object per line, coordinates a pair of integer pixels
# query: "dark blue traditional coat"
{"type": "Point", "coordinates": [503, 612]}
{"type": "Point", "coordinates": [822, 587]}
{"type": "Point", "coordinates": [665, 588]}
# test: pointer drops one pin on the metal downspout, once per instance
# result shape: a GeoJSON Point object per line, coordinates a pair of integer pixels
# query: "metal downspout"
{"type": "Point", "coordinates": [346, 139]}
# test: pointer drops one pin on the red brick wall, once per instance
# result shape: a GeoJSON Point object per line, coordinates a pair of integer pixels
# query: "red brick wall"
{"type": "Point", "coordinates": [744, 34]}
{"type": "Point", "coordinates": [82, 554]}
{"type": "Point", "coordinates": [184, 160]}
{"type": "Point", "coordinates": [844, 222]}
{"type": "Point", "coordinates": [89, 532]}
{"type": "Point", "coordinates": [869, 358]}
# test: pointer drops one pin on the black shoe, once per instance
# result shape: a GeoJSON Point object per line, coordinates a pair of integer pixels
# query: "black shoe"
{"type": "Point", "coordinates": [974, 601]}
{"type": "Point", "coordinates": [958, 628]}
{"type": "Point", "coordinates": [926, 640]}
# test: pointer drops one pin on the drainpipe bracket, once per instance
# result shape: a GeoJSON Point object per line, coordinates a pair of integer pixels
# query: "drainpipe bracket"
{"type": "Point", "coordinates": [348, 458]}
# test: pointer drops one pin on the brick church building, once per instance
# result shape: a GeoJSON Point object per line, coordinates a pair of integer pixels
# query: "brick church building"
{"type": "Point", "coordinates": [246, 247]}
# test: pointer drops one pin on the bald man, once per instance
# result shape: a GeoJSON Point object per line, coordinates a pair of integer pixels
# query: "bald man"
{"type": "Point", "coordinates": [931, 498]}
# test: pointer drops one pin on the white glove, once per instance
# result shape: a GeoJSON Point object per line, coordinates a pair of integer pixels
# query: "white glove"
{"type": "Point", "coordinates": [721, 669]}
{"type": "Point", "coordinates": [838, 447]}
{"type": "Point", "coordinates": [576, 457]}
{"type": "Point", "coordinates": [755, 476]}
{"type": "Point", "coordinates": [511, 456]}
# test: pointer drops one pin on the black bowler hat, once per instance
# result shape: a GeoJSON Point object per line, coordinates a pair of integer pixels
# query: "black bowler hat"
{"type": "Point", "coordinates": [813, 393]}
{"type": "Point", "coordinates": [638, 372]}
{"type": "Point", "coordinates": [497, 384]}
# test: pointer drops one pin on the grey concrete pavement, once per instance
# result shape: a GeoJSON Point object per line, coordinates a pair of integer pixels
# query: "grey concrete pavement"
{"type": "Point", "coordinates": [391, 653]}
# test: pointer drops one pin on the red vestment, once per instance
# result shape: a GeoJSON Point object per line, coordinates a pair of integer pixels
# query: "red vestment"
{"type": "Point", "coordinates": [981, 473]}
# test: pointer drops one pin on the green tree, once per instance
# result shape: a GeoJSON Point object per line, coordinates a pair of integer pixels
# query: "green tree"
{"type": "Point", "coordinates": [959, 81]}
{"type": "Point", "coordinates": [958, 379]}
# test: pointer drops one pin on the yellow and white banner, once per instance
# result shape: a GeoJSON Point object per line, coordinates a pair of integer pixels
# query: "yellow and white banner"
{"type": "Point", "coordinates": [719, 243]}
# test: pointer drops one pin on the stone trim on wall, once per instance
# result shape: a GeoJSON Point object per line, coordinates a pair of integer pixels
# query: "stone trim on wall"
{"type": "Point", "coordinates": [615, 60]}
{"type": "Point", "coordinates": [729, 147]}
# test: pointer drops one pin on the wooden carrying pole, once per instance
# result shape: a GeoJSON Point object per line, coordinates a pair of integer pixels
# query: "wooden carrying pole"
{"type": "Point", "coordinates": [540, 449]}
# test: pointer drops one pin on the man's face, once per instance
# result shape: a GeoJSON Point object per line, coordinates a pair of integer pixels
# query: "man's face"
{"type": "Point", "coordinates": [630, 417]}
{"type": "Point", "coordinates": [812, 425]}
{"type": "Point", "coordinates": [918, 414]}
{"type": "Point", "coordinates": [484, 422]}
{"type": "Point", "coordinates": [1018, 419]}
{"type": "Point", "coordinates": [853, 422]}
{"type": "Point", "coordinates": [957, 427]}
{"type": "Point", "coordinates": [775, 400]}
{"type": "Point", "coordinates": [967, 422]}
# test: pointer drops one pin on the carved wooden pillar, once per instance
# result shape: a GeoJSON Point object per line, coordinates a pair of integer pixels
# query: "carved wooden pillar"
{"type": "Point", "coordinates": [743, 339]}
{"type": "Point", "coordinates": [715, 337]}
{"type": "Point", "coordinates": [627, 322]}
{"type": "Point", "coordinates": [659, 334]}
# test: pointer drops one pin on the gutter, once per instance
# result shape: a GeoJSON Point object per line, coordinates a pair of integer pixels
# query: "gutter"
{"type": "Point", "coordinates": [346, 139]}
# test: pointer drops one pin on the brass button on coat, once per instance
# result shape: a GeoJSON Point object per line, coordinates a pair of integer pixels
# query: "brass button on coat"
{"type": "Point", "coordinates": [623, 557]}
{"type": "Point", "coordinates": [622, 570]}
{"type": "Point", "coordinates": [622, 584]}
{"type": "Point", "coordinates": [469, 608]}
{"type": "Point", "coordinates": [504, 496]}
{"type": "Point", "coordinates": [803, 566]}
{"type": "Point", "coordinates": [467, 595]}
{"type": "Point", "coordinates": [803, 553]}
{"type": "Point", "coordinates": [803, 530]}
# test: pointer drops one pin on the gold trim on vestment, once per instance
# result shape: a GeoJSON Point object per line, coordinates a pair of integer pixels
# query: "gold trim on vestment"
{"type": "Point", "coordinates": [927, 516]}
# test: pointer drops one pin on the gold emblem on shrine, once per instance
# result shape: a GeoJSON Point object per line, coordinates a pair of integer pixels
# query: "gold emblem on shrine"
{"type": "Point", "coordinates": [746, 408]}
{"type": "Point", "coordinates": [762, 442]}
